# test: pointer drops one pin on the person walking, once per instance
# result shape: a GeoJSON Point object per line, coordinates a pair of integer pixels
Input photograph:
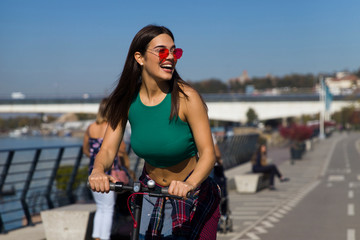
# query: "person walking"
{"type": "Point", "coordinates": [170, 130]}
{"type": "Point", "coordinates": [105, 203]}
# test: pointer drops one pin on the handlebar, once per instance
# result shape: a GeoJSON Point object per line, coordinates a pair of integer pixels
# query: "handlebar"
{"type": "Point", "coordinates": [138, 188]}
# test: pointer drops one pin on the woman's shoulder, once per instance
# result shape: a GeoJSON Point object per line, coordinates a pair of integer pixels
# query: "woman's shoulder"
{"type": "Point", "coordinates": [190, 92]}
{"type": "Point", "coordinates": [92, 126]}
{"type": "Point", "coordinates": [191, 101]}
{"type": "Point", "coordinates": [95, 130]}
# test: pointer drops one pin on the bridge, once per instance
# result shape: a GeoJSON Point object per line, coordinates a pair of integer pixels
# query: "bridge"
{"type": "Point", "coordinates": [222, 107]}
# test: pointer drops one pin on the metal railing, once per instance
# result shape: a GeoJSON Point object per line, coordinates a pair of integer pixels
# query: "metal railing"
{"type": "Point", "coordinates": [34, 179]}
{"type": "Point", "coordinates": [238, 149]}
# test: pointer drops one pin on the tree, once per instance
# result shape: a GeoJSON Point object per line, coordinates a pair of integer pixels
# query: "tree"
{"type": "Point", "coordinates": [357, 73]}
{"type": "Point", "coordinates": [210, 86]}
{"type": "Point", "coordinates": [343, 116]}
{"type": "Point", "coordinates": [236, 87]}
{"type": "Point", "coordinates": [252, 117]}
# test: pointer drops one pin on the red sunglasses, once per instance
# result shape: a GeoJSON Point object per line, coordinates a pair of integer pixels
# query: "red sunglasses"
{"type": "Point", "coordinates": [163, 53]}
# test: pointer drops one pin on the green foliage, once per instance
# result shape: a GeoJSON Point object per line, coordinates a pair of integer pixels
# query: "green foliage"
{"type": "Point", "coordinates": [236, 87]}
{"type": "Point", "coordinates": [348, 116]}
{"type": "Point", "coordinates": [343, 116]}
{"type": "Point", "coordinates": [306, 118]}
{"type": "Point", "coordinates": [63, 176]}
{"type": "Point", "coordinates": [357, 73]}
{"type": "Point", "coordinates": [264, 83]}
{"type": "Point", "coordinates": [292, 81]}
{"type": "Point", "coordinates": [85, 116]}
{"type": "Point", "coordinates": [210, 86]}
{"type": "Point", "coordinates": [251, 115]}
{"type": "Point", "coordinates": [297, 80]}
{"type": "Point", "coordinates": [51, 118]}
{"type": "Point", "coordinates": [16, 122]}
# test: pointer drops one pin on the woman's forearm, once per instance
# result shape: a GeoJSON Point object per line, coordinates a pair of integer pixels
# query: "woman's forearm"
{"type": "Point", "coordinates": [104, 160]}
{"type": "Point", "coordinates": [202, 169]}
{"type": "Point", "coordinates": [109, 149]}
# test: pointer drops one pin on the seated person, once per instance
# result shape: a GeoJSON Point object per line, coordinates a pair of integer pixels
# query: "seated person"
{"type": "Point", "coordinates": [259, 165]}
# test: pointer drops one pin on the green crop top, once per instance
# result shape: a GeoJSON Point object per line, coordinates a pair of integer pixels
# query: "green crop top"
{"type": "Point", "coordinates": [159, 141]}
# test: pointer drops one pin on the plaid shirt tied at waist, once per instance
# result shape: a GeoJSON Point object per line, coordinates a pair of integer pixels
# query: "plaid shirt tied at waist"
{"type": "Point", "coordinates": [188, 216]}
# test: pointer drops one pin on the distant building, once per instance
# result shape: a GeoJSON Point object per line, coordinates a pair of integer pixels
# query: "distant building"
{"type": "Point", "coordinates": [17, 95]}
{"type": "Point", "coordinates": [343, 83]}
{"type": "Point", "coordinates": [240, 79]}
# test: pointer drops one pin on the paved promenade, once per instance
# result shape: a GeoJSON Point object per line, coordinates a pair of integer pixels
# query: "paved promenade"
{"type": "Point", "coordinates": [289, 212]}
{"type": "Point", "coordinates": [320, 202]}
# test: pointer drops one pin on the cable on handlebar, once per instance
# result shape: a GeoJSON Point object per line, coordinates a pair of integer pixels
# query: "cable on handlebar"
{"type": "Point", "coordinates": [142, 193]}
{"type": "Point", "coordinates": [128, 205]}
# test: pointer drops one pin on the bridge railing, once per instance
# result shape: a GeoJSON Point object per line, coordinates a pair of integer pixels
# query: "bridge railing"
{"type": "Point", "coordinates": [238, 149]}
{"type": "Point", "coordinates": [34, 179]}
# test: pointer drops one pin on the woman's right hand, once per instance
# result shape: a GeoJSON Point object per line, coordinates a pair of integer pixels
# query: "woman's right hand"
{"type": "Point", "coordinates": [99, 181]}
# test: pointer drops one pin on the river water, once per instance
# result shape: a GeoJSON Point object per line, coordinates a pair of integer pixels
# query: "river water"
{"type": "Point", "coordinates": [36, 141]}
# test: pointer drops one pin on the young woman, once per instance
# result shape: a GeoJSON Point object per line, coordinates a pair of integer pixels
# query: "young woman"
{"type": "Point", "coordinates": [260, 165]}
{"type": "Point", "coordinates": [170, 130]}
{"type": "Point", "coordinates": [105, 203]}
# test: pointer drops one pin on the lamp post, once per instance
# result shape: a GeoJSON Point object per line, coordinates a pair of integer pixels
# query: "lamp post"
{"type": "Point", "coordinates": [322, 107]}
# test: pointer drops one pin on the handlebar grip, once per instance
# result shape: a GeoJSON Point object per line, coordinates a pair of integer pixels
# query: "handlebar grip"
{"type": "Point", "coordinates": [112, 185]}
{"type": "Point", "coordinates": [165, 191]}
{"type": "Point", "coordinates": [117, 187]}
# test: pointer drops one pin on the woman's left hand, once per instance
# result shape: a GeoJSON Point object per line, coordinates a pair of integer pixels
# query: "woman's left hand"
{"type": "Point", "coordinates": [180, 188]}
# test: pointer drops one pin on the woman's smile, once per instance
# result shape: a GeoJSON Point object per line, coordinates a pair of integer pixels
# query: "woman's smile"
{"type": "Point", "coordinates": [167, 67]}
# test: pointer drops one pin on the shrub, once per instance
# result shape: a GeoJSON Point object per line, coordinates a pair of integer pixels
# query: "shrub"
{"type": "Point", "coordinates": [63, 176]}
{"type": "Point", "coordinates": [296, 132]}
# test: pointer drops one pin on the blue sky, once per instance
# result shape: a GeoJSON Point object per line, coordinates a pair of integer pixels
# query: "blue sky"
{"type": "Point", "coordinates": [71, 47]}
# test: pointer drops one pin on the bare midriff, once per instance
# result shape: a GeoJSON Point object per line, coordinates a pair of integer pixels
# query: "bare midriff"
{"type": "Point", "coordinates": [178, 172]}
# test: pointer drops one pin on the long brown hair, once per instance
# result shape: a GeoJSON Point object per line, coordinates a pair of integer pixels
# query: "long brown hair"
{"type": "Point", "coordinates": [130, 80]}
{"type": "Point", "coordinates": [101, 114]}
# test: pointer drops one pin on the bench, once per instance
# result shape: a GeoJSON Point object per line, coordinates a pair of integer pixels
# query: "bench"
{"type": "Point", "coordinates": [252, 182]}
{"type": "Point", "coordinates": [244, 181]}
{"type": "Point", "coordinates": [249, 182]}
{"type": "Point", "coordinates": [74, 221]}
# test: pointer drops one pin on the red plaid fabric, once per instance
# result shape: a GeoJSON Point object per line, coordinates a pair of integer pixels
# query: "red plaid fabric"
{"type": "Point", "coordinates": [194, 218]}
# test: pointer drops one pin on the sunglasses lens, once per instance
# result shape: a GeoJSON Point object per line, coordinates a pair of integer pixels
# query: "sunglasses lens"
{"type": "Point", "coordinates": [178, 53]}
{"type": "Point", "coordinates": [163, 53]}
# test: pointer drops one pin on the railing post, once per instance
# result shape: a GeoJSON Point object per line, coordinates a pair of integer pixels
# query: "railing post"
{"type": "Point", "coordinates": [6, 169]}
{"type": "Point", "coordinates": [69, 190]}
{"type": "Point", "coordinates": [27, 185]}
{"type": "Point", "coordinates": [2, 182]}
{"type": "Point", "coordinates": [2, 227]}
{"type": "Point", "coordinates": [52, 178]}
